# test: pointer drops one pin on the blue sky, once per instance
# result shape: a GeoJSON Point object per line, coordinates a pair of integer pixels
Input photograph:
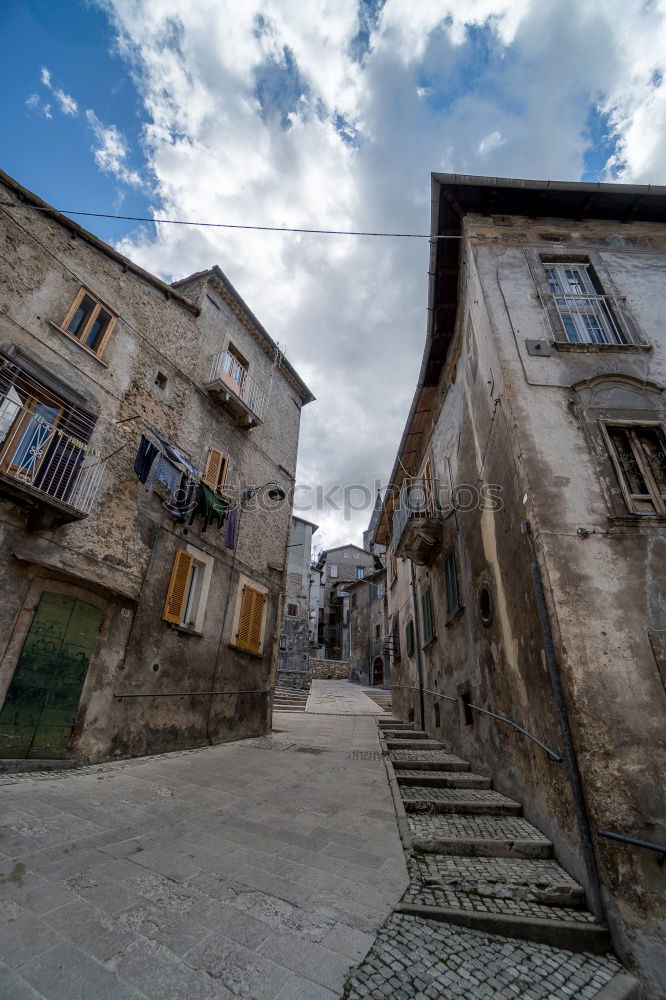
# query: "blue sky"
{"type": "Point", "coordinates": [331, 115]}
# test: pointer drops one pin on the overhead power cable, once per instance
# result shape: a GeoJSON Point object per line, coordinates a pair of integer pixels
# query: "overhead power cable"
{"type": "Point", "coordinates": [231, 225]}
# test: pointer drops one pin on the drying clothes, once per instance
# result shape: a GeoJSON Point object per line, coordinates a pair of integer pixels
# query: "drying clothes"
{"type": "Point", "coordinates": [183, 501]}
{"type": "Point", "coordinates": [176, 455]}
{"type": "Point", "coordinates": [231, 532]}
{"type": "Point", "coordinates": [209, 507]}
{"type": "Point", "coordinates": [164, 471]}
{"type": "Point", "coordinates": [145, 457]}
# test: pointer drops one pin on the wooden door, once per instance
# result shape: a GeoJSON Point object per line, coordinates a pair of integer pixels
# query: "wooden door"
{"type": "Point", "coordinates": [378, 672]}
{"type": "Point", "coordinates": [42, 702]}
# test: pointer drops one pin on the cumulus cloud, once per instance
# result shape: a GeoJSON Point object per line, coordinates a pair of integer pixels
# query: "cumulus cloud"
{"type": "Point", "coordinates": [111, 151]}
{"type": "Point", "coordinates": [332, 116]}
{"type": "Point", "coordinates": [66, 102]}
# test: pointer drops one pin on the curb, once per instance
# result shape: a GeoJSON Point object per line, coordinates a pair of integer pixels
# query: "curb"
{"type": "Point", "coordinates": [398, 805]}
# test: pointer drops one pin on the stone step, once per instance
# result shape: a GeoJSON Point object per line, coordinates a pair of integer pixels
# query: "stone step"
{"type": "Point", "coordinates": [427, 760]}
{"type": "Point", "coordinates": [404, 734]}
{"type": "Point", "coordinates": [478, 836]}
{"type": "Point", "coordinates": [395, 724]}
{"type": "Point", "coordinates": [441, 779]}
{"type": "Point", "coordinates": [465, 801]}
{"type": "Point", "coordinates": [416, 744]}
{"type": "Point", "coordinates": [415, 957]}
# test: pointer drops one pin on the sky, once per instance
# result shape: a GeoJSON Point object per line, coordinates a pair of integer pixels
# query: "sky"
{"type": "Point", "coordinates": [326, 114]}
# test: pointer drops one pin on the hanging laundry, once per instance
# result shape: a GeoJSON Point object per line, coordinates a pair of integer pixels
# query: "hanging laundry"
{"type": "Point", "coordinates": [145, 457]}
{"type": "Point", "coordinates": [183, 501]}
{"type": "Point", "coordinates": [176, 455]}
{"type": "Point", "coordinates": [210, 507]}
{"type": "Point", "coordinates": [164, 471]}
{"type": "Point", "coordinates": [231, 532]}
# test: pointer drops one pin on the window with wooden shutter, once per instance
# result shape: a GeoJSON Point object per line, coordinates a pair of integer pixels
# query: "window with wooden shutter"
{"type": "Point", "coordinates": [174, 606]}
{"type": "Point", "coordinates": [89, 322]}
{"type": "Point", "coordinates": [250, 619]}
{"type": "Point", "coordinates": [215, 473]}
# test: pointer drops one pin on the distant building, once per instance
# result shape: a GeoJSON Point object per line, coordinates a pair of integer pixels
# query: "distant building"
{"type": "Point", "coordinates": [340, 566]}
{"type": "Point", "coordinates": [300, 613]}
{"type": "Point", "coordinates": [369, 641]}
{"type": "Point", "coordinates": [148, 436]}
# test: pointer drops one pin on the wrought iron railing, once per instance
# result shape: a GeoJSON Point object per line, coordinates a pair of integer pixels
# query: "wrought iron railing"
{"type": "Point", "coordinates": [225, 367]}
{"type": "Point", "coordinates": [35, 453]}
{"type": "Point", "coordinates": [659, 849]}
{"type": "Point", "coordinates": [419, 499]}
{"type": "Point", "coordinates": [588, 319]}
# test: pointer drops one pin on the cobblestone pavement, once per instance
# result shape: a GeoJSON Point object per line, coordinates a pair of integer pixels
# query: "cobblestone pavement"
{"type": "Point", "coordinates": [473, 884]}
{"type": "Point", "coordinates": [415, 959]}
{"type": "Point", "coordinates": [444, 825]}
{"type": "Point", "coordinates": [457, 796]}
{"type": "Point", "coordinates": [432, 756]}
{"type": "Point", "coordinates": [230, 871]}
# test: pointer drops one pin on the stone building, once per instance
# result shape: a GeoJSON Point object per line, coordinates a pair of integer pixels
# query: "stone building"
{"type": "Point", "coordinates": [302, 586]}
{"type": "Point", "coordinates": [525, 518]}
{"type": "Point", "coordinates": [368, 630]}
{"type": "Point", "coordinates": [340, 565]}
{"type": "Point", "coordinates": [149, 436]}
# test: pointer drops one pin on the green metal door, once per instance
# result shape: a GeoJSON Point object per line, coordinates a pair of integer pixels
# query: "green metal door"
{"type": "Point", "coordinates": [43, 697]}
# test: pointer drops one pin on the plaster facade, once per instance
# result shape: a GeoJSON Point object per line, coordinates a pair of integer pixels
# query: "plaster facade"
{"type": "Point", "coordinates": [154, 372]}
{"type": "Point", "coordinates": [302, 584]}
{"type": "Point", "coordinates": [368, 631]}
{"type": "Point", "coordinates": [516, 433]}
{"type": "Point", "coordinates": [340, 565]}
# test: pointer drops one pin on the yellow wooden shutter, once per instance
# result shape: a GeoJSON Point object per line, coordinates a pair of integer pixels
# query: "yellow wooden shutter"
{"type": "Point", "coordinates": [250, 619]}
{"type": "Point", "coordinates": [215, 473]}
{"type": "Point", "coordinates": [174, 605]}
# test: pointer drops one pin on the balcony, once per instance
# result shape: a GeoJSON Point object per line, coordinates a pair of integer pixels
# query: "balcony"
{"type": "Point", "coordinates": [233, 387]}
{"type": "Point", "coordinates": [417, 521]}
{"type": "Point", "coordinates": [55, 475]}
{"type": "Point", "coordinates": [588, 319]}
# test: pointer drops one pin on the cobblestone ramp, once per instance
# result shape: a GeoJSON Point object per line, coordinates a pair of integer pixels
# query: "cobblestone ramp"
{"type": "Point", "coordinates": [488, 912]}
{"type": "Point", "coordinates": [415, 958]}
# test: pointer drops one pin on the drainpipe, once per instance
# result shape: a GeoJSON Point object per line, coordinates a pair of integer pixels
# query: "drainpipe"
{"type": "Point", "coordinates": [568, 749]}
{"type": "Point", "coordinates": [417, 642]}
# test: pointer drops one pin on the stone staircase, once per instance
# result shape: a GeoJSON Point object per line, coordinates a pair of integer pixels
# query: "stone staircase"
{"type": "Point", "coordinates": [290, 700]}
{"type": "Point", "coordinates": [486, 896]}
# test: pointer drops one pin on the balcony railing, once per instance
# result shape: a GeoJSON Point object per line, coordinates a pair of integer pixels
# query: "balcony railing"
{"type": "Point", "coordinates": [417, 521]}
{"type": "Point", "coordinates": [588, 319]}
{"type": "Point", "coordinates": [41, 462]}
{"type": "Point", "coordinates": [230, 379]}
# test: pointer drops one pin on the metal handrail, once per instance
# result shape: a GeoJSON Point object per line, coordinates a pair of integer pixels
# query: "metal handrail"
{"type": "Point", "coordinates": [493, 715]}
{"type": "Point", "coordinates": [183, 694]}
{"type": "Point", "coordinates": [419, 498]}
{"type": "Point", "coordinates": [646, 844]}
{"type": "Point", "coordinates": [226, 368]}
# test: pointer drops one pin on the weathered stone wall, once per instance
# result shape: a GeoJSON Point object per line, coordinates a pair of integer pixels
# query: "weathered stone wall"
{"type": "Point", "coordinates": [329, 670]}
{"type": "Point", "coordinates": [121, 554]}
{"type": "Point", "coordinates": [299, 680]}
{"type": "Point", "coordinates": [530, 424]}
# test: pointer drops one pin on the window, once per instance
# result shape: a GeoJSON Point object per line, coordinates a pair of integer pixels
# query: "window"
{"type": "Point", "coordinates": [283, 643]}
{"type": "Point", "coordinates": [451, 582]}
{"type": "Point", "coordinates": [161, 381]}
{"type": "Point", "coordinates": [89, 322]}
{"type": "Point", "coordinates": [353, 600]}
{"type": "Point", "coordinates": [333, 571]}
{"type": "Point", "coordinates": [356, 555]}
{"type": "Point", "coordinates": [360, 572]}
{"type": "Point", "coordinates": [292, 610]}
{"type": "Point", "coordinates": [380, 591]}
{"type": "Point", "coordinates": [587, 316]}
{"type": "Point", "coordinates": [409, 638]}
{"type": "Point", "coordinates": [395, 634]}
{"type": "Point", "coordinates": [638, 452]}
{"type": "Point", "coordinates": [428, 625]}
{"type": "Point", "coordinates": [216, 470]}
{"type": "Point", "coordinates": [234, 368]}
{"type": "Point", "coordinates": [188, 590]}
{"type": "Point", "coordinates": [250, 619]}
{"type": "Point", "coordinates": [378, 631]}
{"type": "Point", "coordinates": [345, 555]}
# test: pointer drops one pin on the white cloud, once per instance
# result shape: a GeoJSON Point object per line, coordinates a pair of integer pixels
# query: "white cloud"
{"type": "Point", "coordinates": [279, 113]}
{"type": "Point", "coordinates": [68, 105]}
{"type": "Point", "coordinates": [111, 151]}
{"type": "Point", "coordinates": [35, 103]}
{"type": "Point", "coordinates": [46, 77]}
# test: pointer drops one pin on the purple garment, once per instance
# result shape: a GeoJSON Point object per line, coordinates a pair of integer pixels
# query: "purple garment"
{"type": "Point", "coordinates": [231, 530]}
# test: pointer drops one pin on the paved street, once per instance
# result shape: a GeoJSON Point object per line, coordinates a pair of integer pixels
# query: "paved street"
{"type": "Point", "coordinates": [259, 869]}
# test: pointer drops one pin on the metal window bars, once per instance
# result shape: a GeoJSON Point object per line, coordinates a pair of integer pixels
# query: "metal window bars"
{"type": "Point", "coordinates": [419, 498]}
{"type": "Point", "coordinates": [226, 367]}
{"type": "Point", "coordinates": [587, 319]}
{"type": "Point", "coordinates": [37, 454]}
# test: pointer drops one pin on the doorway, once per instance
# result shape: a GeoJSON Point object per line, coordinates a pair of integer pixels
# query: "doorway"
{"type": "Point", "coordinates": [42, 702]}
{"type": "Point", "coordinates": [378, 672]}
